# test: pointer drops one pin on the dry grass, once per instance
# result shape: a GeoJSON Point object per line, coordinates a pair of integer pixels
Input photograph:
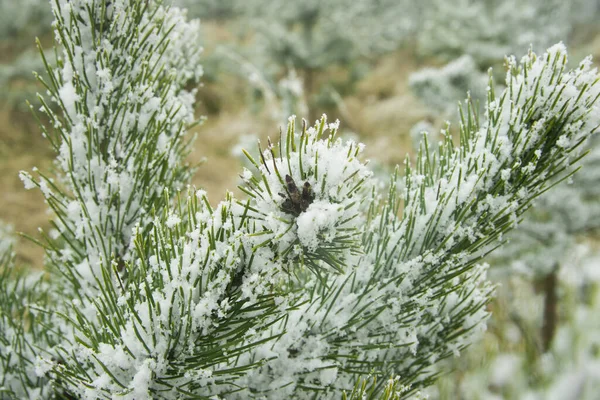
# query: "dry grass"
{"type": "Point", "coordinates": [383, 109]}
{"type": "Point", "coordinates": [215, 141]}
{"type": "Point", "coordinates": [21, 149]}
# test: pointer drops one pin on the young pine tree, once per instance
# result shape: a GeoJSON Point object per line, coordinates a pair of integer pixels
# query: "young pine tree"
{"type": "Point", "coordinates": [455, 28]}
{"type": "Point", "coordinates": [463, 33]}
{"type": "Point", "coordinates": [299, 41]}
{"type": "Point", "coordinates": [120, 85]}
{"type": "Point", "coordinates": [441, 88]}
{"type": "Point", "coordinates": [320, 283]}
{"type": "Point", "coordinates": [21, 19]}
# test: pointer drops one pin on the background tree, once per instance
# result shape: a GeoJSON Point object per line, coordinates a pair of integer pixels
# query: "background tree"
{"type": "Point", "coordinates": [307, 38]}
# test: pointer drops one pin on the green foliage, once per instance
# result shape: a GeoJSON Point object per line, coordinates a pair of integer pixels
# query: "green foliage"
{"type": "Point", "coordinates": [111, 176]}
{"type": "Point", "coordinates": [26, 333]}
{"type": "Point", "coordinates": [321, 282]}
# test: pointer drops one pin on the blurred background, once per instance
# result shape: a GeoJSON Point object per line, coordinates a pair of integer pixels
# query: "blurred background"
{"type": "Point", "coordinates": [391, 71]}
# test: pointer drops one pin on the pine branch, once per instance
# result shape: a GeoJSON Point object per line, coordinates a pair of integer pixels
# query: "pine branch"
{"type": "Point", "coordinates": [26, 331]}
{"type": "Point", "coordinates": [119, 84]}
{"type": "Point", "coordinates": [334, 282]}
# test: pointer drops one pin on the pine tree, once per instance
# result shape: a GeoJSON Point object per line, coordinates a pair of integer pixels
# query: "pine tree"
{"type": "Point", "coordinates": [455, 28]}
{"type": "Point", "coordinates": [19, 21]}
{"type": "Point", "coordinates": [441, 88]}
{"type": "Point", "coordinates": [209, 9]}
{"type": "Point", "coordinates": [304, 39]}
{"type": "Point", "coordinates": [465, 35]}
{"type": "Point", "coordinates": [17, 76]}
{"type": "Point", "coordinates": [23, 18]}
{"type": "Point", "coordinates": [120, 85]}
{"type": "Point", "coordinates": [320, 283]}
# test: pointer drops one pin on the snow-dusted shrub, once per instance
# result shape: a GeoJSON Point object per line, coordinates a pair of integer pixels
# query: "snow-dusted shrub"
{"type": "Point", "coordinates": [489, 30]}
{"type": "Point", "coordinates": [306, 38]}
{"type": "Point", "coordinates": [23, 329]}
{"type": "Point", "coordinates": [20, 328]}
{"type": "Point", "coordinates": [18, 80]}
{"type": "Point", "coordinates": [119, 111]}
{"type": "Point", "coordinates": [442, 88]}
{"type": "Point", "coordinates": [473, 35]}
{"type": "Point", "coordinates": [316, 281]}
{"type": "Point", "coordinates": [280, 96]}
{"type": "Point", "coordinates": [209, 9]}
{"type": "Point", "coordinates": [123, 70]}
{"type": "Point", "coordinates": [315, 34]}
{"type": "Point", "coordinates": [552, 281]}
{"type": "Point", "coordinates": [21, 17]}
